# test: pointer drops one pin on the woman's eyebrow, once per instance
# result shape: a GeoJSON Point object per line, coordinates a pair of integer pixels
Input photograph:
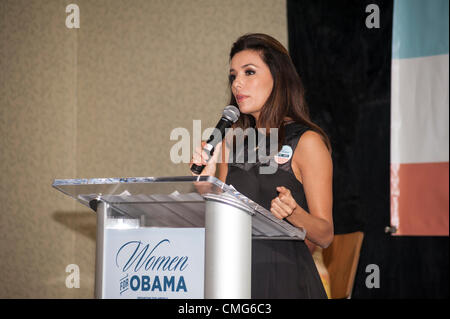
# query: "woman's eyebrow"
{"type": "Point", "coordinates": [244, 66]}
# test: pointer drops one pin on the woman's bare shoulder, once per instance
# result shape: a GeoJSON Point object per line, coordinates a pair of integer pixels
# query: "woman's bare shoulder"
{"type": "Point", "coordinates": [311, 147]}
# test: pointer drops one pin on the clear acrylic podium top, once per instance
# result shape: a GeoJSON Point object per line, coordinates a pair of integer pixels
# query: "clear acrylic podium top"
{"type": "Point", "coordinates": [177, 201]}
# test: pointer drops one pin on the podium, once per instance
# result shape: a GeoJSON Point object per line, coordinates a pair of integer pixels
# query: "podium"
{"type": "Point", "coordinates": [204, 216]}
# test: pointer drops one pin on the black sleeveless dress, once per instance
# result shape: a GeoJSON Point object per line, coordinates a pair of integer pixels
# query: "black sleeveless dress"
{"type": "Point", "coordinates": [280, 268]}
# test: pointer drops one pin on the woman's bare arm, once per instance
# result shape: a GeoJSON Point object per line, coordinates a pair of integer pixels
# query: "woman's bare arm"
{"type": "Point", "coordinates": [312, 161]}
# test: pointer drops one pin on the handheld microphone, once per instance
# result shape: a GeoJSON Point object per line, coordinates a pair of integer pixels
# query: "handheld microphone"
{"type": "Point", "coordinates": [229, 116]}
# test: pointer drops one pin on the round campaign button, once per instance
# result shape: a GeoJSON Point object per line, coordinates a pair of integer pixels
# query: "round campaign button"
{"type": "Point", "coordinates": [284, 155]}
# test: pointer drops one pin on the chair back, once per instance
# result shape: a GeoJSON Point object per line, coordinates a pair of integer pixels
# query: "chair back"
{"type": "Point", "coordinates": [341, 259]}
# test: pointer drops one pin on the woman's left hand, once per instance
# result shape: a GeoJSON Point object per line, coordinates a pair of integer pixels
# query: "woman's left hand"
{"type": "Point", "coordinates": [284, 204]}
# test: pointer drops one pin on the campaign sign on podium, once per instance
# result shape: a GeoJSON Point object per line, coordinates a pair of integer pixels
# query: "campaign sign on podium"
{"type": "Point", "coordinates": [154, 263]}
{"type": "Point", "coordinates": [174, 237]}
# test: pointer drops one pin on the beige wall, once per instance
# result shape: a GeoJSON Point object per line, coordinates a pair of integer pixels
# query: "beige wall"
{"type": "Point", "coordinates": [100, 101]}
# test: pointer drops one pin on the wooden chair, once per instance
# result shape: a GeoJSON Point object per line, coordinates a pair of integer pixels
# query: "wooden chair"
{"type": "Point", "coordinates": [341, 259]}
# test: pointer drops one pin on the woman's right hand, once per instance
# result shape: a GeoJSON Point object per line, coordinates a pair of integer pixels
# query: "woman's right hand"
{"type": "Point", "coordinates": [200, 156]}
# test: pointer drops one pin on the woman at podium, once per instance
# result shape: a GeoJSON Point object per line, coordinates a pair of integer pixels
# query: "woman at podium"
{"type": "Point", "coordinates": [269, 93]}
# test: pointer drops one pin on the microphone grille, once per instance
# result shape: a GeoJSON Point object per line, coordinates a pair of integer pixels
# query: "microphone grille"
{"type": "Point", "coordinates": [231, 113]}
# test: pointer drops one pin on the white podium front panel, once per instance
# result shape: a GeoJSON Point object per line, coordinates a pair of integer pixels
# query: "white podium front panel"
{"type": "Point", "coordinates": [154, 263]}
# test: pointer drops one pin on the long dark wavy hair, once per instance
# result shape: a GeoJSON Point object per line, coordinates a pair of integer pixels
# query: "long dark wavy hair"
{"type": "Point", "coordinates": [288, 94]}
